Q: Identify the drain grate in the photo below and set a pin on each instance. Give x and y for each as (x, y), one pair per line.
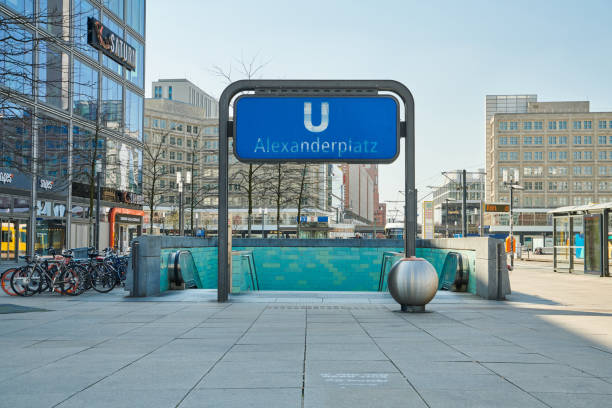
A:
(328, 307)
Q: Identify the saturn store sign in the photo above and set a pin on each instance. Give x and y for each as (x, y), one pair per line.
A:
(110, 44)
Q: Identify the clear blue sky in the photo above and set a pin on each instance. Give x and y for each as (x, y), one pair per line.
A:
(449, 53)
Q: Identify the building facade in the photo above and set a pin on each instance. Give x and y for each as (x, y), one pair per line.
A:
(181, 137)
(360, 192)
(183, 90)
(71, 107)
(562, 154)
(448, 202)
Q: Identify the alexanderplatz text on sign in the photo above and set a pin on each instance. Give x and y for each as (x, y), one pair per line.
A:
(310, 121)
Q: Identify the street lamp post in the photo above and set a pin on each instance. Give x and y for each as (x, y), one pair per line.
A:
(263, 212)
(179, 183)
(512, 182)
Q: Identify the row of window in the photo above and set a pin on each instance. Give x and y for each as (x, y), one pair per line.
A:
(177, 126)
(553, 201)
(554, 125)
(554, 155)
(577, 186)
(558, 171)
(554, 140)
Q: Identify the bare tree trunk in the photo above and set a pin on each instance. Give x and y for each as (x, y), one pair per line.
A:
(300, 200)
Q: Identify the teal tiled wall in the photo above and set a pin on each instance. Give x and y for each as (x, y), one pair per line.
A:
(308, 268)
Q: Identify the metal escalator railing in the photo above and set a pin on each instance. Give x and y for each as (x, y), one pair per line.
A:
(386, 259)
(250, 258)
(455, 273)
(182, 269)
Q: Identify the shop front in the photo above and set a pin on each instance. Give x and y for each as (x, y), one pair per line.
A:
(125, 225)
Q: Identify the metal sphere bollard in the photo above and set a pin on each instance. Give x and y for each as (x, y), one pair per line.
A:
(413, 282)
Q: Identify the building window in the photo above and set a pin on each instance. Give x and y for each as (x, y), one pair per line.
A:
(602, 124)
(562, 140)
(188, 128)
(552, 125)
(602, 155)
(163, 123)
(136, 75)
(588, 155)
(577, 155)
(179, 156)
(513, 125)
(602, 170)
(514, 140)
(134, 110)
(587, 140)
(563, 155)
(538, 186)
(552, 140)
(172, 155)
(188, 142)
(112, 103)
(527, 156)
(179, 141)
(135, 15)
(503, 125)
(170, 92)
(527, 125)
(85, 94)
(577, 124)
(172, 140)
(552, 155)
(527, 140)
(537, 125)
(587, 124)
(538, 140)
(158, 92)
(563, 124)
(116, 6)
(503, 140)
(513, 156)
(577, 140)
(588, 170)
(601, 140)
(538, 155)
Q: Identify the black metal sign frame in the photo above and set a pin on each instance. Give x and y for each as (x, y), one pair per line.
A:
(335, 95)
(312, 88)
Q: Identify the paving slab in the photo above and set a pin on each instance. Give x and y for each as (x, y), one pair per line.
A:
(549, 344)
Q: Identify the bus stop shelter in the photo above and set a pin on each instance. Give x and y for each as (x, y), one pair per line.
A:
(582, 240)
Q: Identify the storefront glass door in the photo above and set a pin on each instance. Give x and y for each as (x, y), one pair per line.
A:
(562, 244)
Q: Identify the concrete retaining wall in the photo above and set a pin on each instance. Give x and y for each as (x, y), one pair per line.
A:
(487, 266)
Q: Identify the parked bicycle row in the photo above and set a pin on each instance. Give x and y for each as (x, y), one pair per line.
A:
(66, 275)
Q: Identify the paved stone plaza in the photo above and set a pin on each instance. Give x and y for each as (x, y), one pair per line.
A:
(550, 345)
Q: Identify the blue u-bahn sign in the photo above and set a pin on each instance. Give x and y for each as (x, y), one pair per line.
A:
(357, 129)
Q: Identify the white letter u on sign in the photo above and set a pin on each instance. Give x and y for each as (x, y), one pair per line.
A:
(308, 117)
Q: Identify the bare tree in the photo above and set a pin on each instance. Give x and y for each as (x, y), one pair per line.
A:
(199, 190)
(250, 176)
(152, 173)
(306, 189)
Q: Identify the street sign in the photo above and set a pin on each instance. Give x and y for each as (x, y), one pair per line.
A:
(500, 208)
(361, 129)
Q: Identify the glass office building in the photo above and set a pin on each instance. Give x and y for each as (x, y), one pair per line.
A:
(71, 106)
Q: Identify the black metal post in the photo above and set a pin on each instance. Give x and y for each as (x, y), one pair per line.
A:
(97, 229)
(288, 87)
(511, 224)
(464, 204)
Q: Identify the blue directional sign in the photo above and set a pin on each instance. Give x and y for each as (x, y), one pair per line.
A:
(308, 129)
